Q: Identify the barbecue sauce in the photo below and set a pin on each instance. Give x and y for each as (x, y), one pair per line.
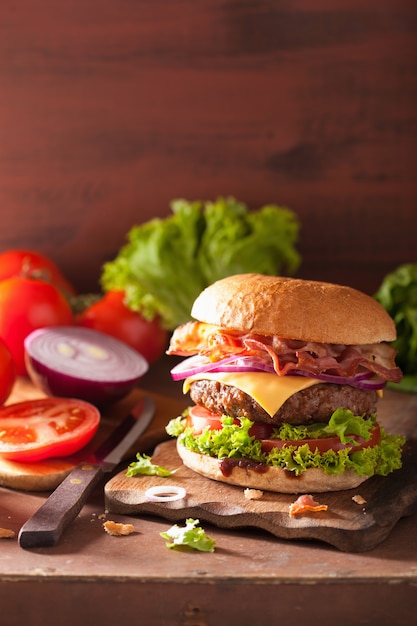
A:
(227, 465)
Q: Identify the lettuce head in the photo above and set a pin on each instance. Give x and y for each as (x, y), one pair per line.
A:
(167, 262)
(398, 295)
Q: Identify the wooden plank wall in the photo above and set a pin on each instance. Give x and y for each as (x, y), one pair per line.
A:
(111, 108)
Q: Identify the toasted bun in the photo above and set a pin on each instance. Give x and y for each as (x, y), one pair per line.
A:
(273, 479)
(294, 309)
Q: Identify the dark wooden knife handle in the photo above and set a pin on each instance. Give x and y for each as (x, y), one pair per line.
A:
(46, 525)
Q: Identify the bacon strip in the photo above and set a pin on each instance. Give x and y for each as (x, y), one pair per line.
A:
(286, 355)
(305, 503)
(190, 338)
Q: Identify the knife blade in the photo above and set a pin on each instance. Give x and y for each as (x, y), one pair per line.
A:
(45, 527)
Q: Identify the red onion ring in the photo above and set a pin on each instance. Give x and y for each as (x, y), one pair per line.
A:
(198, 365)
(363, 380)
(164, 493)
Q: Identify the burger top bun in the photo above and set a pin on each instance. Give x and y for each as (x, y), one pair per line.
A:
(294, 309)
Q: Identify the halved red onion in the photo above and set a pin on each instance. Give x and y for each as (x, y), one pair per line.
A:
(76, 362)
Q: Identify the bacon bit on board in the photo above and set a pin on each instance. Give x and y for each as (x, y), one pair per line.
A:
(305, 503)
(6, 533)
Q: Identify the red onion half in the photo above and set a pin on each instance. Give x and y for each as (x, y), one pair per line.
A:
(75, 362)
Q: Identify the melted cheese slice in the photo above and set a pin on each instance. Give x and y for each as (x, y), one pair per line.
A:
(268, 390)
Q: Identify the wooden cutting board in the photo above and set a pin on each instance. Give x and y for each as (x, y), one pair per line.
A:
(46, 475)
(346, 525)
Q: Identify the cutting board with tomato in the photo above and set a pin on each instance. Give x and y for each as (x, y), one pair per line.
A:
(47, 474)
(355, 520)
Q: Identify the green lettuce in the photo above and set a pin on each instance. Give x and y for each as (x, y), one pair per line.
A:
(398, 295)
(144, 466)
(167, 262)
(342, 424)
(234, 441)
(191, 535)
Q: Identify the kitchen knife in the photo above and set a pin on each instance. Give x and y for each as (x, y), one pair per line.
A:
(46, 525)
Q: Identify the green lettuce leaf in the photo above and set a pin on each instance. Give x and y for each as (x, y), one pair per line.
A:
(342, 424)
(398, 295)
(143, 465)
(234, 441)
(167, 262)
(191, 535)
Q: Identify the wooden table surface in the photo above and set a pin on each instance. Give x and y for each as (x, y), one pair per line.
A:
(251, 578)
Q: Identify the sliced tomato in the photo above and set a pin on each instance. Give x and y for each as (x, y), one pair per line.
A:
(48, 427)
(323, 444)
(199, 418)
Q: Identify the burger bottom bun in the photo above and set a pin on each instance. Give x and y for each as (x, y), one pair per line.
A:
(273, 479)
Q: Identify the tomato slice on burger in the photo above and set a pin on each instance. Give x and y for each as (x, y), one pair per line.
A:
(49, 427)
(323, 444)
(199, 419)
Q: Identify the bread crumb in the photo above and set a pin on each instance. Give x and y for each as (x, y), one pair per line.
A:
(358, 499)
(6, 533)
(253, 494)
(117, 529)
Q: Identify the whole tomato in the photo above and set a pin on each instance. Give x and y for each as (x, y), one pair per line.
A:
(31, 264)
(7, 372)
(111, 316)
(25, 305)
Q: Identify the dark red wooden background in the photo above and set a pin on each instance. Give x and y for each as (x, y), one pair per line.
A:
(111, 108)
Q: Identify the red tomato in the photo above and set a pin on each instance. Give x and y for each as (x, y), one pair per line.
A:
(30, 264)
(27, 304)
(111, 316)
(7, 372)
(326, 443)
(49, 427)
(200, 418)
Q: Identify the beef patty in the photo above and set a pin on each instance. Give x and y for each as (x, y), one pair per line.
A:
(314, 404)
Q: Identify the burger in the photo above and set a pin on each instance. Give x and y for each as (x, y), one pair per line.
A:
(285, 376)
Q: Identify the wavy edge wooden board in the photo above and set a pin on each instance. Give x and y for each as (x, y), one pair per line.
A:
(345, 525)
(48, 474)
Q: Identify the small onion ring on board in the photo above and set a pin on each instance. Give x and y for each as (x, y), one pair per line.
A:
(165, 493)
